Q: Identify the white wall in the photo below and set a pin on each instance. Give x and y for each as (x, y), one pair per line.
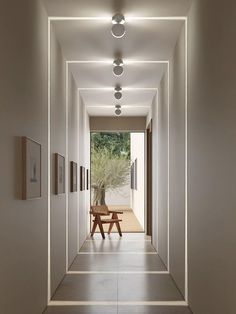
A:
(177, 163)
(23, 112)
(58, 145)
(73, 150)
(84, 160)
(120, 196)
(162, 158)
(137, 196)
(211, 156)
(153, 116)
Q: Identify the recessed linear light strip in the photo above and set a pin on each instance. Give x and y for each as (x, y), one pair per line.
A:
(112, 89)
(109, 18)
(117, 253)
(110, 62)
(107, 272)
(115, 303)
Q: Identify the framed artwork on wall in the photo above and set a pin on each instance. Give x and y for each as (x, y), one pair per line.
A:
(136, 174)
(132, 176)
(73, 176)
(59, 174)
(31, 160)
(87, 179)
(82, 178)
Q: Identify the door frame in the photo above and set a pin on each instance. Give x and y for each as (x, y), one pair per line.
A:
(149, 179)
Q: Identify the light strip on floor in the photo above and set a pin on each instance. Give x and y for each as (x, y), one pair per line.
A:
(117, 253)
(116, 240)
(75, 272)
(114, 303)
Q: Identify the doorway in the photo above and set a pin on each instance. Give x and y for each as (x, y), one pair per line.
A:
(118, 176)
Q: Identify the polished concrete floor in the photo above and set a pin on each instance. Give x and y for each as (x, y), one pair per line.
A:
(117, 275)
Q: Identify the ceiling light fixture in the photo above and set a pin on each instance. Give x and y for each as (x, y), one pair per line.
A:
(118, 28)
(118, 93)
(118, 67)
(118, 110)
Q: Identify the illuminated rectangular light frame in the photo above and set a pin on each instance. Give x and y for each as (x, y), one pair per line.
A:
(183, 18)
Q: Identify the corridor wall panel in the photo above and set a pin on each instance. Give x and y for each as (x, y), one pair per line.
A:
(162, 157)
(153, 115)
(84, 160)
(58, 145)
(212, 156)
(23, 112)
(73, 143)
(177, 163)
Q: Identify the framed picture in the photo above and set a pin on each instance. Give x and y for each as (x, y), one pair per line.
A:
(73, 176)
(87, 179)
(31, 159)
(82, 178)
(136, 174)
(131, 177)
(59, 174)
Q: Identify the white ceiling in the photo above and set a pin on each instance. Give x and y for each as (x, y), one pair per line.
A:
(97, 75)
(109, 7)
(91, 40)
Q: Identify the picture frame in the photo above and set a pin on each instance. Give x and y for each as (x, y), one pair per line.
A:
(31, 168)
(132, 176)
(82, 178)
(59, 174)
(136, 174)
(73, 176)
(87, 179)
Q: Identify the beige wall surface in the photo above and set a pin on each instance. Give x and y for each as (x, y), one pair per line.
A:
(212, 156)
(177, 163)
(23, 106)
(73, 151)
(117, 124)
(137, 195)
(154, 117)
(162, 157)
(84, 160)
(58, 145)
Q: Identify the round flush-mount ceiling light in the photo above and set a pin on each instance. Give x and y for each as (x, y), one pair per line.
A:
(118, 18)
(118, 93)
(118, 67)
(118, 28)
(118, 110)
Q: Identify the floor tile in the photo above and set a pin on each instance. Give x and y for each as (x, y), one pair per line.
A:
(142, 262)
(87, 287)
(117, 262)
(95, 262)
(117, 246)
(140, 309)
(84, 309)
(126, 236)
(147, 287)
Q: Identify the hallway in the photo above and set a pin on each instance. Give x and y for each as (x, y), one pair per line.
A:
(163, 68)
(120, 275)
